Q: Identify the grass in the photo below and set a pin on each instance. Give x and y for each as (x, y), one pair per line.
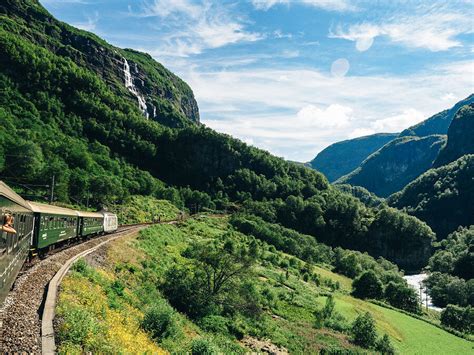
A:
(142, 209)
(114, 296)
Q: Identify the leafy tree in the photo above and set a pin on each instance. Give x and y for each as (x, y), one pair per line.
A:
(458, 318)
(214, 280)
(384, 345)
(363, 330)
(367, 285)
(402, 296)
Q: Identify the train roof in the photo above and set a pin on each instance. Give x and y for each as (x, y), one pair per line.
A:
(12, 195)
(90, 214)
(50, 209)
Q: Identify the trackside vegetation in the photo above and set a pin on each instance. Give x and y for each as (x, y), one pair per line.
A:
(201, 286)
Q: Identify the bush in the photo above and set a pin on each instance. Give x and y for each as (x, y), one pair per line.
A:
(384, 346)
(367, 285)
(215, 324)
(458, 318)
(203, 346)
(159, 321)
(363, 331)
(403, 296)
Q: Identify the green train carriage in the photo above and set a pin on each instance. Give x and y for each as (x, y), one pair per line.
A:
(14, 247)
(90, 223)
(53, 225)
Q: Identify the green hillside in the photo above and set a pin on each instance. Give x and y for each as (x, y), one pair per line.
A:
(61, 118)
(342, 157)
(133, 298)
(395, 164)
(441, 197)
(460, 140)
(384, 164)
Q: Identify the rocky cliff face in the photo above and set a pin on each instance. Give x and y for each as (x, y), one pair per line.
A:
(165, 97)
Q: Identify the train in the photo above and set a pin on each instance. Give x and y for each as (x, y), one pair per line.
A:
(28, 229)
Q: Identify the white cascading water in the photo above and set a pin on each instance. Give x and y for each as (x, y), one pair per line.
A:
(132, 88)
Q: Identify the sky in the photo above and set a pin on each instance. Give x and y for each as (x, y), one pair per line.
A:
(294, 76)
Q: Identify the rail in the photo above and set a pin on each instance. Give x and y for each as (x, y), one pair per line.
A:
(48, 344)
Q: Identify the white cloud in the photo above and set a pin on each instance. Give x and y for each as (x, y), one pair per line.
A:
(313, 117)
(330, 5)
(434, 28)
(397, 123)
(297, 112)
(360, 132)
(195, 27)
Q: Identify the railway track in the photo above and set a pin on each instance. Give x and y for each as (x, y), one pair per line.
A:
(33, 297)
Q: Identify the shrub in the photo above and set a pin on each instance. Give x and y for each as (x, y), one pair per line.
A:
(458, 318)
(363, 331)
(384, 346)
(159, 321)
(203, 346)
(367, 285)
(403, 297)
(215, 324)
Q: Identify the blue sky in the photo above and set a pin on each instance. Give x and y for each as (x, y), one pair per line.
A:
(293, 77)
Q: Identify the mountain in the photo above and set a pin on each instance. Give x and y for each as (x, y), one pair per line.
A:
(342, 157)
(460, 137)
(437, 124)
(352, 156)
(396, 164)
(62, 119)
(442, 197)
(160, 94)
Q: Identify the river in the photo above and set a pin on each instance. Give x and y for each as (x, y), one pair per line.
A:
(415, 281)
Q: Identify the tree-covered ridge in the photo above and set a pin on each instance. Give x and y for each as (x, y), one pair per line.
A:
(62, 120)
(396, 164)
(441, 197)
(437, 124)
(342, 157)
(460, 140)
(169, 100)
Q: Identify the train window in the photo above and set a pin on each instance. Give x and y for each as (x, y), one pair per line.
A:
(3, 243)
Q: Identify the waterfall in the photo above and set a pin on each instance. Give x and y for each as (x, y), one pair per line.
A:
(133, 89)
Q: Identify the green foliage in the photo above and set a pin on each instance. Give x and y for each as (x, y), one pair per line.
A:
(456, 254)
(461, 319)
(460, 140)
(444, 289)
(159, 321)
(363, 331)
(214, 280)
(203, 346)
(402, 296)
(384, 345)
(367, 285)
(441, 197)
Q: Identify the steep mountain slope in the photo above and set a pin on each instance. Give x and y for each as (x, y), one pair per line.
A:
(442, 197)
(339, 156)
(437, 124)
(395, 164)
(460, 137)
(160, 94)
(342, 157)
(61, 119)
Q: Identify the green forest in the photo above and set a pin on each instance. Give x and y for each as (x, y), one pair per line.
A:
(275, 251)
